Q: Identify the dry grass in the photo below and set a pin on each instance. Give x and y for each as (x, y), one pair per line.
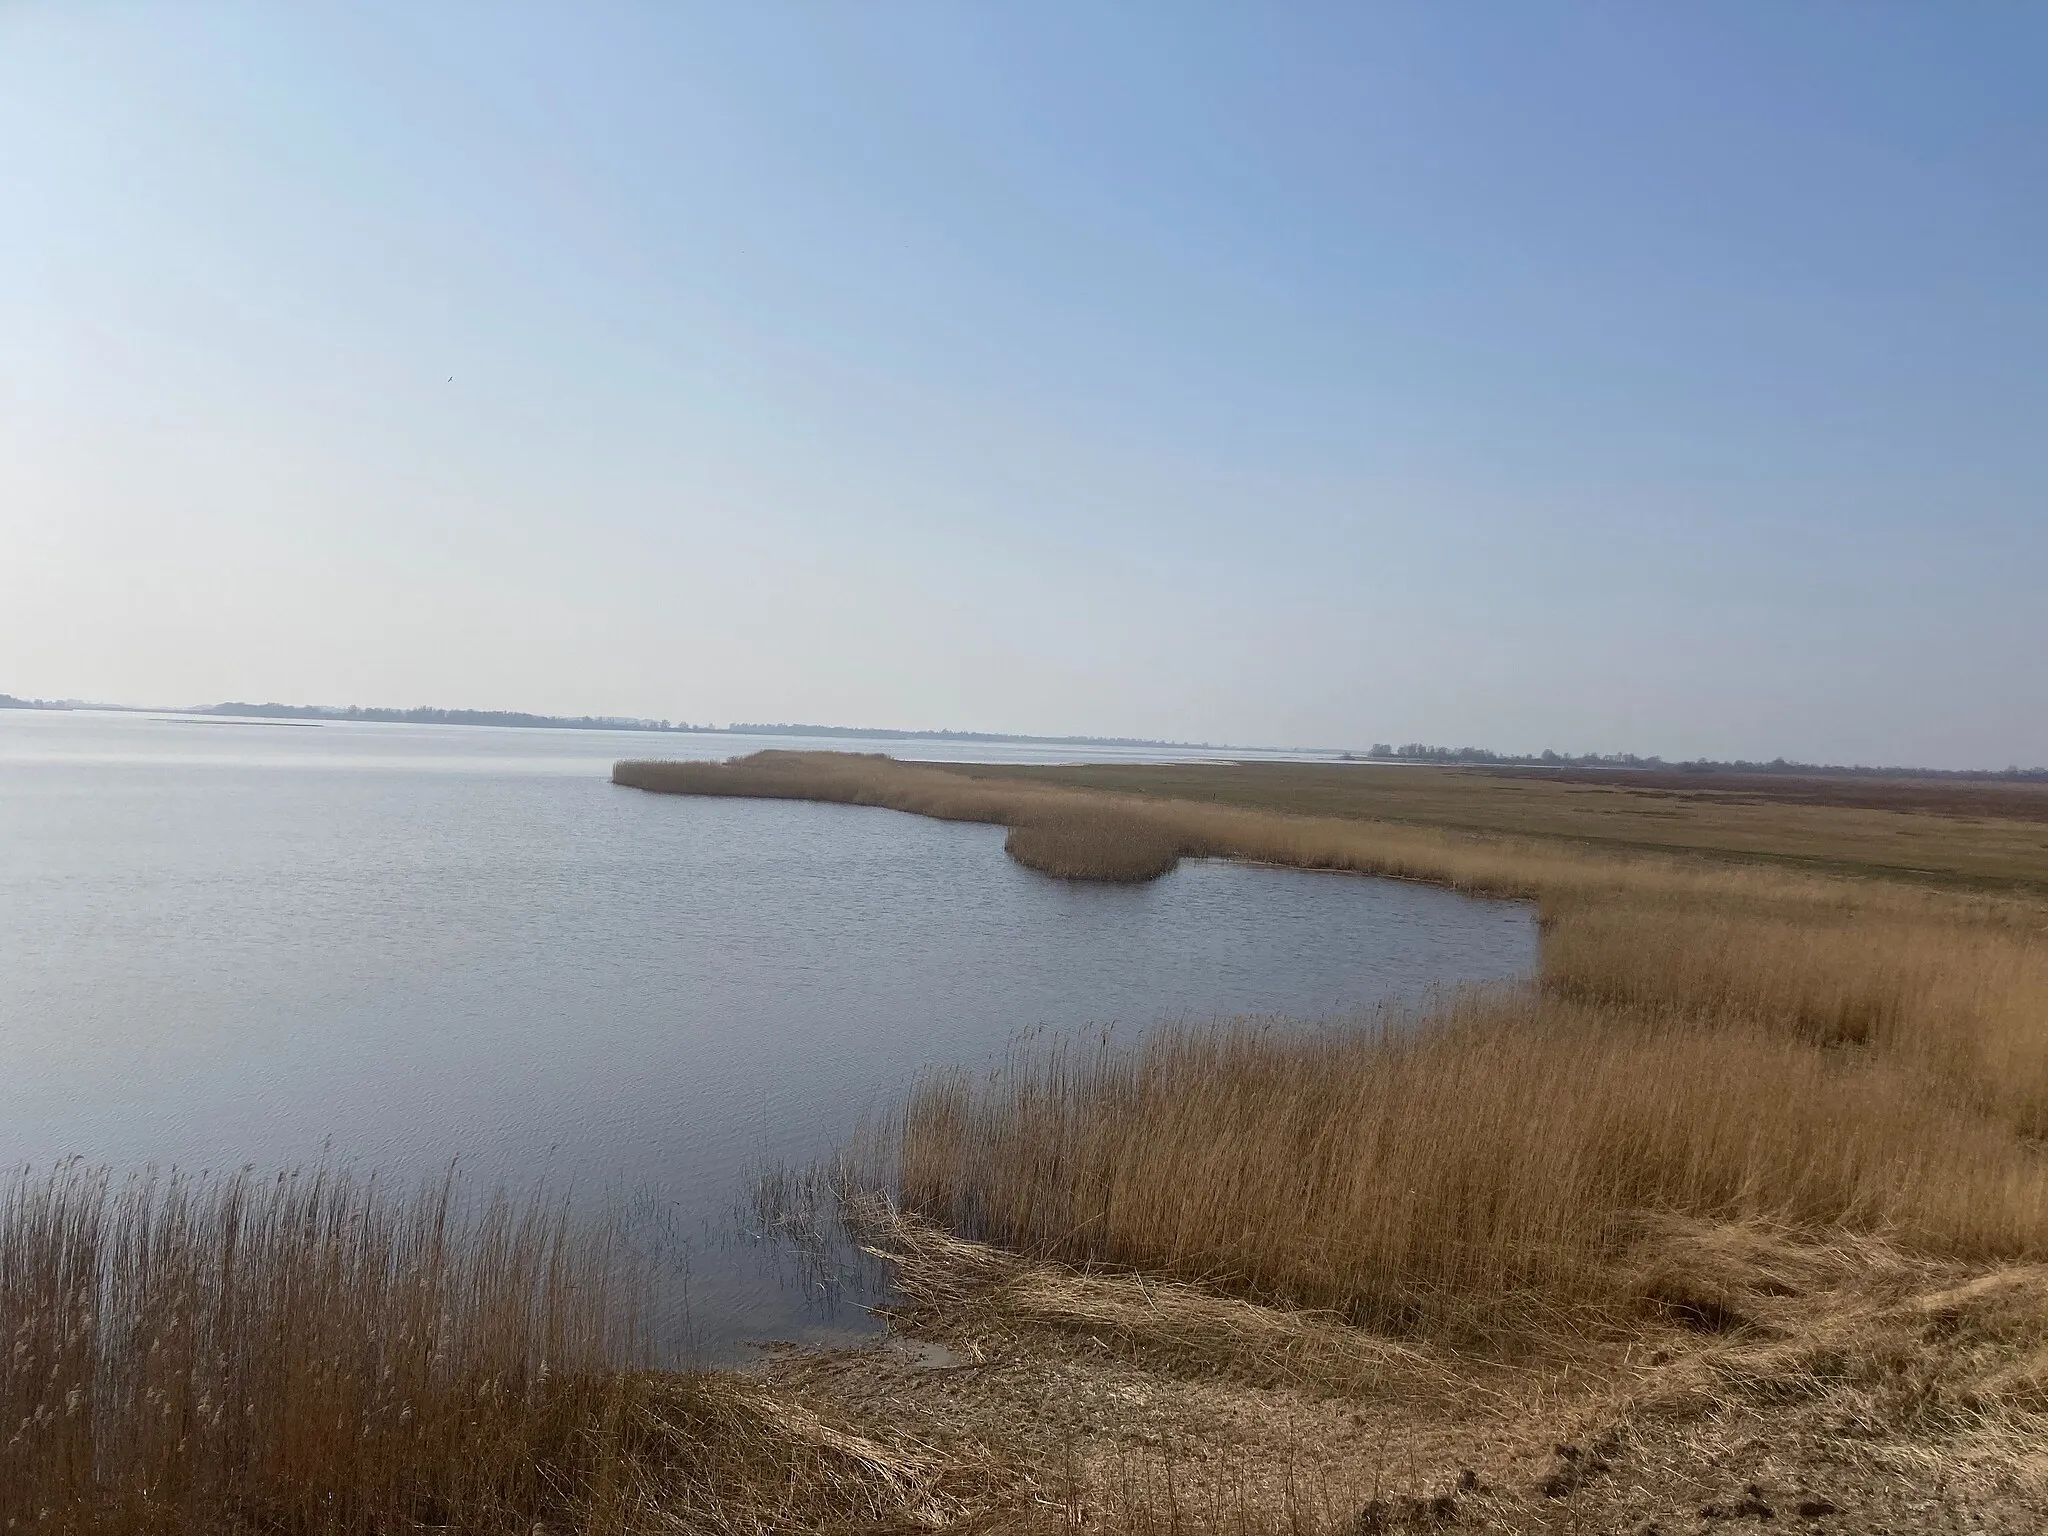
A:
(1953, 991)
(1965, 799)
(1089, 846)
(1487, 1174)
(960, 1288)
(1988, 836)
(314, 1352)
(309, 1350)
(1905, 1391)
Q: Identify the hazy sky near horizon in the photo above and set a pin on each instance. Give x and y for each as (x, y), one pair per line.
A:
(1602, 377)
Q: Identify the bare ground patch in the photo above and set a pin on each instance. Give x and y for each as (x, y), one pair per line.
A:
(1840, 1387)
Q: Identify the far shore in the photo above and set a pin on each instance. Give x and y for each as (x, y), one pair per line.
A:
(1737, 1210)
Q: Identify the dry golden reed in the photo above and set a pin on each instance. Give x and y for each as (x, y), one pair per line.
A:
(1954, 989)
(1083, 845)
(314, 1352)
(311, 1351)
(1470, 1172)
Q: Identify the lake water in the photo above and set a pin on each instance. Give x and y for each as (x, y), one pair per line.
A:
(226, 944)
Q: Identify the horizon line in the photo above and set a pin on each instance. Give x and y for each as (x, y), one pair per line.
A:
(1383, 753)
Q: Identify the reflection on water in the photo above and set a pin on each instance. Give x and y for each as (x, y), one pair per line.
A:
(421, 944)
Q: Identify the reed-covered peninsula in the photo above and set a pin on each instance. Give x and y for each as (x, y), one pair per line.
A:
(1714, 1039)
(1731, 1083)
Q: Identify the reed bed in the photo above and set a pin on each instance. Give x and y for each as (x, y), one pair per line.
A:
(318, 1352)
(1086, 845)
(1487, 1171)
(1954, 991)
(1477, 864)
(1727, 1042)
(311, 1351)
(1549, 869)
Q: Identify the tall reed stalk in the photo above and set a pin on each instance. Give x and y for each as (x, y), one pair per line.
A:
(313, 1351)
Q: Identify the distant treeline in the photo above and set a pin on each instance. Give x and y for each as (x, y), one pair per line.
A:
(428, 716)
(737, 728)
(1417, 752)
(1410, 752)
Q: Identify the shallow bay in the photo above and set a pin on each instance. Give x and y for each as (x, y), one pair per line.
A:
(404, 946)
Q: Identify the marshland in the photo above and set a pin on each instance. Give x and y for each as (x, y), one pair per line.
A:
(1768, 1118)
(378, 950)
(443, 1095)
(1665, 1179)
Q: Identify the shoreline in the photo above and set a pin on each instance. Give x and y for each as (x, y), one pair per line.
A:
(1700, 1371)
(1737, 1209)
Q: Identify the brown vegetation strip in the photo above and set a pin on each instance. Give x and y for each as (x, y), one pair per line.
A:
(2007, 851)
(2000, 800)
(1484, 1176)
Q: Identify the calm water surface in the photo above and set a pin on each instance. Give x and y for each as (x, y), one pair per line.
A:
(232, 944)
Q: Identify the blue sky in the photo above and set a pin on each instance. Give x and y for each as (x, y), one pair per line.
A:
(1667, 379)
